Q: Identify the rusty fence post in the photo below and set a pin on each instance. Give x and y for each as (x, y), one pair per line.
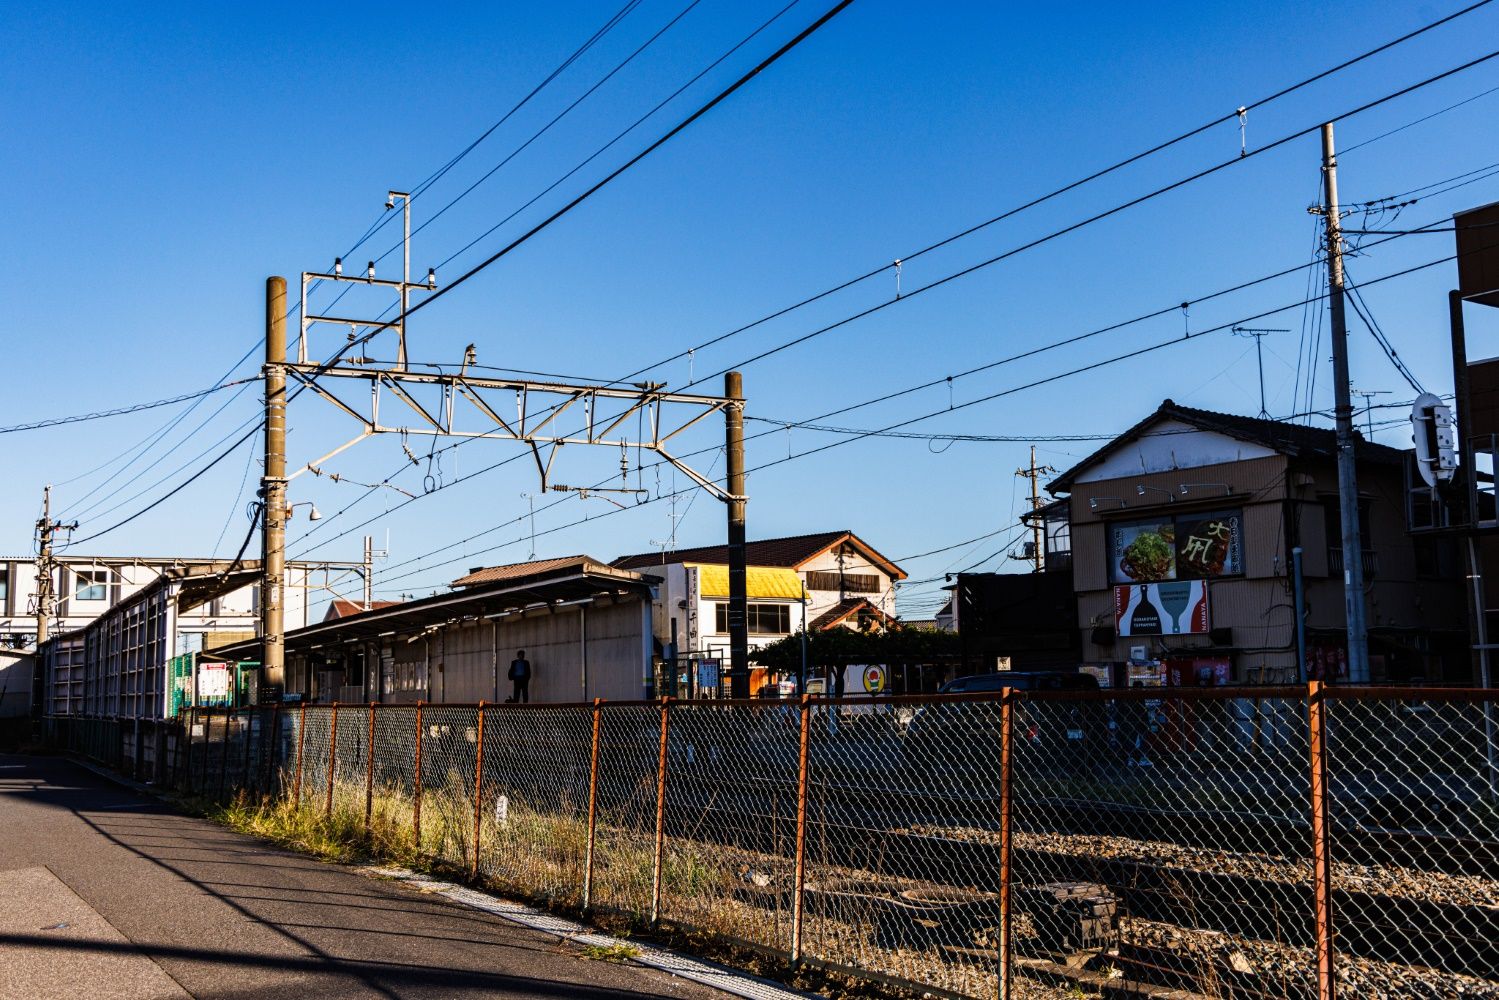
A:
(1006, 803)
(798, 911)
(296, 788)
(478, 788)
(332, 758)
(660, 814)
(1316, 708)
(593, 807)
(369, 772)
(416, 783)
(224, 757)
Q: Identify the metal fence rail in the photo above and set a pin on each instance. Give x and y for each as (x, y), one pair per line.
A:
(1296, 842)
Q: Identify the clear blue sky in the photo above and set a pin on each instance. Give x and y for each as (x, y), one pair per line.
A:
(160, 162)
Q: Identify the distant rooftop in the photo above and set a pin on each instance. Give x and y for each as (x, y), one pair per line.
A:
(791, 551)
(1278, 435)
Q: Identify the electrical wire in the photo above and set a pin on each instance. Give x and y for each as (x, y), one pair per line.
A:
(1064, 189)
(122, 410)
(1010, 391)
(598, 185)
(1356, 300)
(1285, 139)
(543, 131)
(1098, 217)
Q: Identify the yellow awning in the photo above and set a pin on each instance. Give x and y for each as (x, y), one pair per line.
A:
(760, 581)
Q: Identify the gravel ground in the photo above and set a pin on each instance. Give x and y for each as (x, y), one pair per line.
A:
(1435, 887)
(1286, 971)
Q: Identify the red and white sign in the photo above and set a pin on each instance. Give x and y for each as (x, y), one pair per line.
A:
(1173, 607)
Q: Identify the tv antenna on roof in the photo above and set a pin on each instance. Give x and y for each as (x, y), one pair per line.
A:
(1258, 333)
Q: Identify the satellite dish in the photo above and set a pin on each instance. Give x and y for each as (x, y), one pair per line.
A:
(1436, 457)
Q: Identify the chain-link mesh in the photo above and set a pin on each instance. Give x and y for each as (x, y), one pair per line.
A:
(314, 740)
(533, 830)
(728, 859)
(449, 739)
(624, 838)
(901, 799)
(1413, 788)
(1158, 840)
(1169, 838)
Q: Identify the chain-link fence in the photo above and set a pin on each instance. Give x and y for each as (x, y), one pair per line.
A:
(1228, 843)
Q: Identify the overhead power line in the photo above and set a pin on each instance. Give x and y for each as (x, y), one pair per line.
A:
(844, 441)
(592, 190)
(1099, 217)
(1064, 189)
(79, 418)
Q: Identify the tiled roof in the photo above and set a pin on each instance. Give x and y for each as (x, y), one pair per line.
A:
(340, 608)
(519, 571)
(843, 610)
(1279, 435)
(791, 551)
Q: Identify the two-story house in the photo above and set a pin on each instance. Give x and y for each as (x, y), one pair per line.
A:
(1182, 531)
(832, 579)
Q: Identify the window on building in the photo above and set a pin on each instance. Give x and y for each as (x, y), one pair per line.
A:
(764, 619)
(90, 585)
(848, 583)
(4, 585)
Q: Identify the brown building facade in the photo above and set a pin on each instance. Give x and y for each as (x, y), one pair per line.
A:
(1182, 533)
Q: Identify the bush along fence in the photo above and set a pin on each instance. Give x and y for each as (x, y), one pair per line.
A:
(1303, 842)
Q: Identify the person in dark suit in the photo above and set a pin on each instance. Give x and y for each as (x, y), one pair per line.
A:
(520, 677)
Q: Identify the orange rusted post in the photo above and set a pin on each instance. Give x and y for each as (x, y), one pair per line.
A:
(369, 772)
(296, 794)
(1006, 772)
(1321, 860)
(660, 814)
(593, 806)
(478, 789)
(332, 758)
(797, 911)
(416, 782)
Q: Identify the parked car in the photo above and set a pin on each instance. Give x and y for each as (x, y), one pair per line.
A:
(961, 739)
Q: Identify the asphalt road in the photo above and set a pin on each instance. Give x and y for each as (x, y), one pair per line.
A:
(105, 893)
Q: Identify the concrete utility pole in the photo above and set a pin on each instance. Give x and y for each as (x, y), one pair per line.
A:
(733, 390)
(46, 528)
(1353, 555)
(273, 494)
(1038, 531)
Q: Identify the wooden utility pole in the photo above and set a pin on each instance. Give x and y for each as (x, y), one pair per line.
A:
(733, 390)
(1353, 555)
(273, 495)
(1038, 531)
(46, 596)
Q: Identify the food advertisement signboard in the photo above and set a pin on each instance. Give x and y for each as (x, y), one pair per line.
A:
(1143, 551)
(1194, 546)
(1176, 607)
(1210, 544)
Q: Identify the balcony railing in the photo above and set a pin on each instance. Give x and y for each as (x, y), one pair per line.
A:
(1335, 562)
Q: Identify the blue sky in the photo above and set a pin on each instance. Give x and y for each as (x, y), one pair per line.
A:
(160, 163)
